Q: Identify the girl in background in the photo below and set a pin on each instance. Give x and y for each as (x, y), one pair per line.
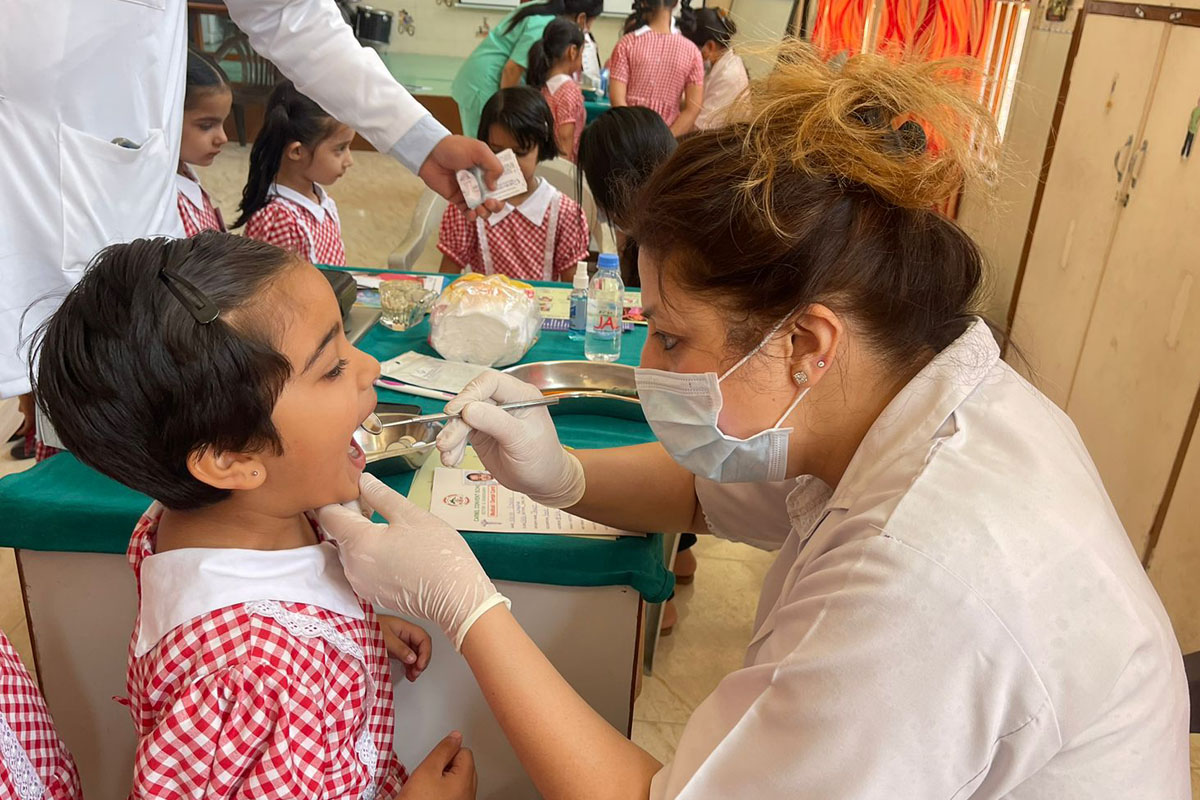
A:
(538, 235)
(654, 68)
(552, 63)
(617, 153)
(206, 103)
(501, 59)
(298, 152)
(711, 30)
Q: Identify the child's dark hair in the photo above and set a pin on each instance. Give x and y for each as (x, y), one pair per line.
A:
(618, 152)
(558, 36)
(524, 113)
(643, 10)
(557, 8)
(289, 117)
(135, 385)
(706, 24)
(203, 76)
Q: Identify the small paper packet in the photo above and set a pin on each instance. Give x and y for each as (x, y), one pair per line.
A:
(510, 183)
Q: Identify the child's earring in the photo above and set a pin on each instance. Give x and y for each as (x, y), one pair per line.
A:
(800, 377)
(255, 473)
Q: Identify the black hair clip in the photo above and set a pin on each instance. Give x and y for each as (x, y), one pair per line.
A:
(195, 301)
(907, 139)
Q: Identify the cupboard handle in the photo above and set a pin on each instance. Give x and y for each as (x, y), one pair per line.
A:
(1182, 299)
(1117, 158)
(1134, 164)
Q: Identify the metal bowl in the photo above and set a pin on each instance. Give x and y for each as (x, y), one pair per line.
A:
(585, 387)
(389, 452)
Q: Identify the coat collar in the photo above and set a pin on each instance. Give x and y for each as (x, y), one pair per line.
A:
(919, 412)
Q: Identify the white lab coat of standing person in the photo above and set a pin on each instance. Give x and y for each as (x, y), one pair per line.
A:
(78, 76)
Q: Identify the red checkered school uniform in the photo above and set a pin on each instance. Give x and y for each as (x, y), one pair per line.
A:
(566, 103)
(541, 239)
(34, 763)
(196, 210)
(656, 68)
(294, 222)
(256, 674)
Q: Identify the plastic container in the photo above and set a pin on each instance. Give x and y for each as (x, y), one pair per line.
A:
(578, 324)
(605, 306)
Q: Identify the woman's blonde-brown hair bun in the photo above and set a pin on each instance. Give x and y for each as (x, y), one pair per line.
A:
(909, 130)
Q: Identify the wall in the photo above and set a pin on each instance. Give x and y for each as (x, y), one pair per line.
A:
(452, 31)
(998, 216)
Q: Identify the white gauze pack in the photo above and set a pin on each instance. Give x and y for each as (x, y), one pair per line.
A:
(487, 320)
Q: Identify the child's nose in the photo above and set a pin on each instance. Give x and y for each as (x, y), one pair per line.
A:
(221, 138)
(369, 369)
(349, 160)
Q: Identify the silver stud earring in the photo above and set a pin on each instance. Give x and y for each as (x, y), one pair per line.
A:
(800, 377)
(821, 363)
(255, 473)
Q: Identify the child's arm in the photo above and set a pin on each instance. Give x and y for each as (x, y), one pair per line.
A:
(450, 266)
(564, 137)
(616, 92)
(456, 241)
(510, 76)
(693, 98)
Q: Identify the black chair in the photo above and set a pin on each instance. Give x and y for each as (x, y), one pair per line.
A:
(258, 77)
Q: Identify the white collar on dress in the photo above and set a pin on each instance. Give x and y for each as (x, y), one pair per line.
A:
(317, 210)
(646, 28)
(180, 585)
(533, 208)
(556, 81)
(190, 186)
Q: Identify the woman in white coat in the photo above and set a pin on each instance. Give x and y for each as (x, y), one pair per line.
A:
(955, 611)
(91, 108)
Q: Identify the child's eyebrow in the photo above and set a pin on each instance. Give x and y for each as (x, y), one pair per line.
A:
(329, 336)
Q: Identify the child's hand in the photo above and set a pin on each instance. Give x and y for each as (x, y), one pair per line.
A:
(447, 773)
(408, 643)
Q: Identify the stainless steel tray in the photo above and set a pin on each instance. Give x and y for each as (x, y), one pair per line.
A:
(585, 387)
(388, 453)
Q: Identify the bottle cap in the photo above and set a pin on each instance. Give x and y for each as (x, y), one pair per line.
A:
(581, 276)
(608, 261)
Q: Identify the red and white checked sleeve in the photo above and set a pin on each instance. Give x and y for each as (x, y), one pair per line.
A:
(571, 241)
(273, 224)
(695, 76)
(618, 65)
(240, 732)
(458, 239)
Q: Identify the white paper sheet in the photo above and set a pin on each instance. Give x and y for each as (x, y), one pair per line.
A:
(471, 500)
(430, 372)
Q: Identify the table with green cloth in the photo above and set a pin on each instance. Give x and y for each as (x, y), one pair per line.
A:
(62, 505)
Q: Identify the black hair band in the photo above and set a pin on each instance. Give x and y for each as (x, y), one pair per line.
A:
(195, 301)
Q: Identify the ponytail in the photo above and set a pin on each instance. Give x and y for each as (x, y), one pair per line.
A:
(643, 10)
(289, 117)
(202, 76)
(545, 53)
(556, 8)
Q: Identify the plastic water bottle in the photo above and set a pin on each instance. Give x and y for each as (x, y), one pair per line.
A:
(577, 328)
(605, 306)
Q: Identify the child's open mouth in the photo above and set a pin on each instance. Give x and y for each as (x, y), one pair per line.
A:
(356, 455)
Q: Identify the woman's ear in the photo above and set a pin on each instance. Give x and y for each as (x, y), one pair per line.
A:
(816, 334)
(240, 471)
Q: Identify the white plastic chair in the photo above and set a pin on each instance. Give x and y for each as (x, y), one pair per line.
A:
(419, 250)
(561, 174)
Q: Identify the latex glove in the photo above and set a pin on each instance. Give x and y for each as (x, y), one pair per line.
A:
(414, 564)
(520, 448)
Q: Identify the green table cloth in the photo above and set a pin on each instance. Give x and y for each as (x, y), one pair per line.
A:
(62, 505)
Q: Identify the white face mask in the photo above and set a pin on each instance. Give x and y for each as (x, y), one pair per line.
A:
(682, 409)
